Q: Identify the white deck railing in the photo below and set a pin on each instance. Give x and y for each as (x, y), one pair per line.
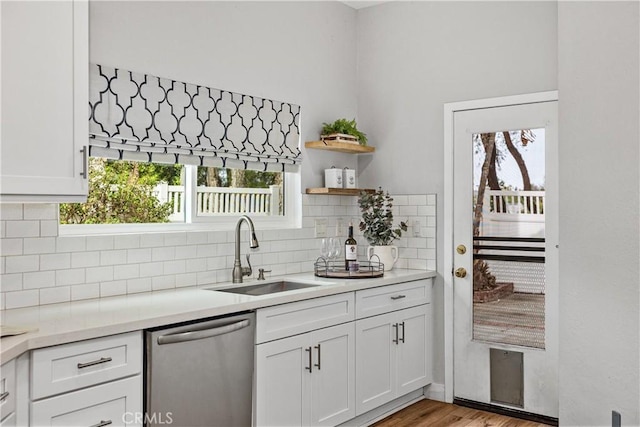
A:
(514, 202)
(221, 200)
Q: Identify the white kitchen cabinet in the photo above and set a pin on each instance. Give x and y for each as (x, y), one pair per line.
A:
(393, 356)
(96, 382)
(306, 379)
(43, 150)
(8, 391)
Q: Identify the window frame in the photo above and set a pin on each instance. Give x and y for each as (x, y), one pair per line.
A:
(291, 219)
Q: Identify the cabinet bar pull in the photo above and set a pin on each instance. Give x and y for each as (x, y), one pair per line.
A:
(402, 339)
(102, 423)
(395, 326)
(318, 364)
(84, 152)
(4, 396)
(310, 367)
(398, 297)
(95, 362)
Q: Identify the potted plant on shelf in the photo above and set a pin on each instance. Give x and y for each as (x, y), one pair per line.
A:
(377, 226)
(343, 130)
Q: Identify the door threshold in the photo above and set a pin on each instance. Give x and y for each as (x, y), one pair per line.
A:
(510, 412)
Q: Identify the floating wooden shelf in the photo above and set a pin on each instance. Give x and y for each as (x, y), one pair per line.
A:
(338, 191)
(343, 147)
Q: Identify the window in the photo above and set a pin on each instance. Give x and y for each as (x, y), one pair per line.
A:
(127, 196)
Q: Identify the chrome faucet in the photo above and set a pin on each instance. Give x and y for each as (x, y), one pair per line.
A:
(238, 270)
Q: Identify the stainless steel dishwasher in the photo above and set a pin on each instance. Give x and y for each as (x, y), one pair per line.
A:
(200, 374)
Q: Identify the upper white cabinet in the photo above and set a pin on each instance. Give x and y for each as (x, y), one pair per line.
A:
(44, 137)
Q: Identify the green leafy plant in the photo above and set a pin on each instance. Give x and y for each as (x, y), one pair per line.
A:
(377, 218)
(348, 127)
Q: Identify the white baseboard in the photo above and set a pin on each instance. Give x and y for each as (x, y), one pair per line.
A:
(435, 391)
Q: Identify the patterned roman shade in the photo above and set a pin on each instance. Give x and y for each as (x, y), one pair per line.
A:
(145, 118)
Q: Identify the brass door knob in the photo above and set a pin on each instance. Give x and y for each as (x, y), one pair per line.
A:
(460, 272)
(461, 249)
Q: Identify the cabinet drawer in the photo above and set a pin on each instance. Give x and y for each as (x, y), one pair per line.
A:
(85, 363)
(298, 317)
(7, 388)
(371, 302)
(116, 403)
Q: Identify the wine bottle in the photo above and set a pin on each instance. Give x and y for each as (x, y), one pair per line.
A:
(350, 249)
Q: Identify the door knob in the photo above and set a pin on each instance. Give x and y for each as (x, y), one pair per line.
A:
(460, 272)
(461, 249)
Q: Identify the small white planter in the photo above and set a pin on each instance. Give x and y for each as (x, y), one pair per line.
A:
(388, 255)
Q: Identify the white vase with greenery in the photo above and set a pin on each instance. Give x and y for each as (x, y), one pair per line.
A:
(377, 226)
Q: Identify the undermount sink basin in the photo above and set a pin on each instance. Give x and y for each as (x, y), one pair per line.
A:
(266, 288)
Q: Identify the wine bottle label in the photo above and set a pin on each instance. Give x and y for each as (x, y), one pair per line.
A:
(351, 252)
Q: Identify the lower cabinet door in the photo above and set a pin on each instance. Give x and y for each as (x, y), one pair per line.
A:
(375, 361)
(117, 403)
(281, 370)
(333, 375)
(414, 349)
(307, 379)
(9, 421)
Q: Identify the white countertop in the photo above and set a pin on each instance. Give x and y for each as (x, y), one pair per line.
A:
(80, 320)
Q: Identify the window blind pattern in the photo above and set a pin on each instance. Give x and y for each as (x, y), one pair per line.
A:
(140, 117)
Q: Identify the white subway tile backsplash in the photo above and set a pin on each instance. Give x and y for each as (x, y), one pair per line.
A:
(9, 211)
(55, 295)
(49, 228)
(11, 246)
(81, 267)
(55, 261)
(99, 274)
(163, 254)
(39, 279)
(167, 281)
(11, 282)
(39, 245)
(22, 299)
(100, 243)
(139, 285)
(40, 211)
(175, 267)
(126, 241)
(116, 287)
(22, 228)
(74, 276)
(87, 291)
(151, 240)
(186, 279)
(22, 263)
(151, 269)
(113, 257)
(85, 259)
(175, 239)
(135, 256)
(71, 244)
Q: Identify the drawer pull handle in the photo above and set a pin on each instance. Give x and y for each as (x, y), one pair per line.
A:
(317, 365)
(85, 153)
(95, 362)
(4, 396)
(398, 297)
(103, 423)
(310, 367)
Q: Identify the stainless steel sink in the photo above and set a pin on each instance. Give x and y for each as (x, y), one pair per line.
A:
(266, 288)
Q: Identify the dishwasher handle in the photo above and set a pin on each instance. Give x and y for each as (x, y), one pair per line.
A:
(202, 334)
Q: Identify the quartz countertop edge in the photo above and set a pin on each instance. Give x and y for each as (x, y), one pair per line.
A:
(81, 320)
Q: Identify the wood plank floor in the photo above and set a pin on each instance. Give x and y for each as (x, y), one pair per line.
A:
(430, 413)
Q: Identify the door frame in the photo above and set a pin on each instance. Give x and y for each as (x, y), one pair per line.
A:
(449, 111)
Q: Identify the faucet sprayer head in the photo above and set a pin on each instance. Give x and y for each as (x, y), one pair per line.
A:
(254, 241)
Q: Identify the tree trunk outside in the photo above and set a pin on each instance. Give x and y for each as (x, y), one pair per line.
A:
(489, 143)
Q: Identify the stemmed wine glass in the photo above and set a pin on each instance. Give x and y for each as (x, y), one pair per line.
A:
(336, 249)
(325, 249)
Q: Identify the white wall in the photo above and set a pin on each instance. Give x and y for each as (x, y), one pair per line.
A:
(599, 187)
(299, 52)
(413, 57)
